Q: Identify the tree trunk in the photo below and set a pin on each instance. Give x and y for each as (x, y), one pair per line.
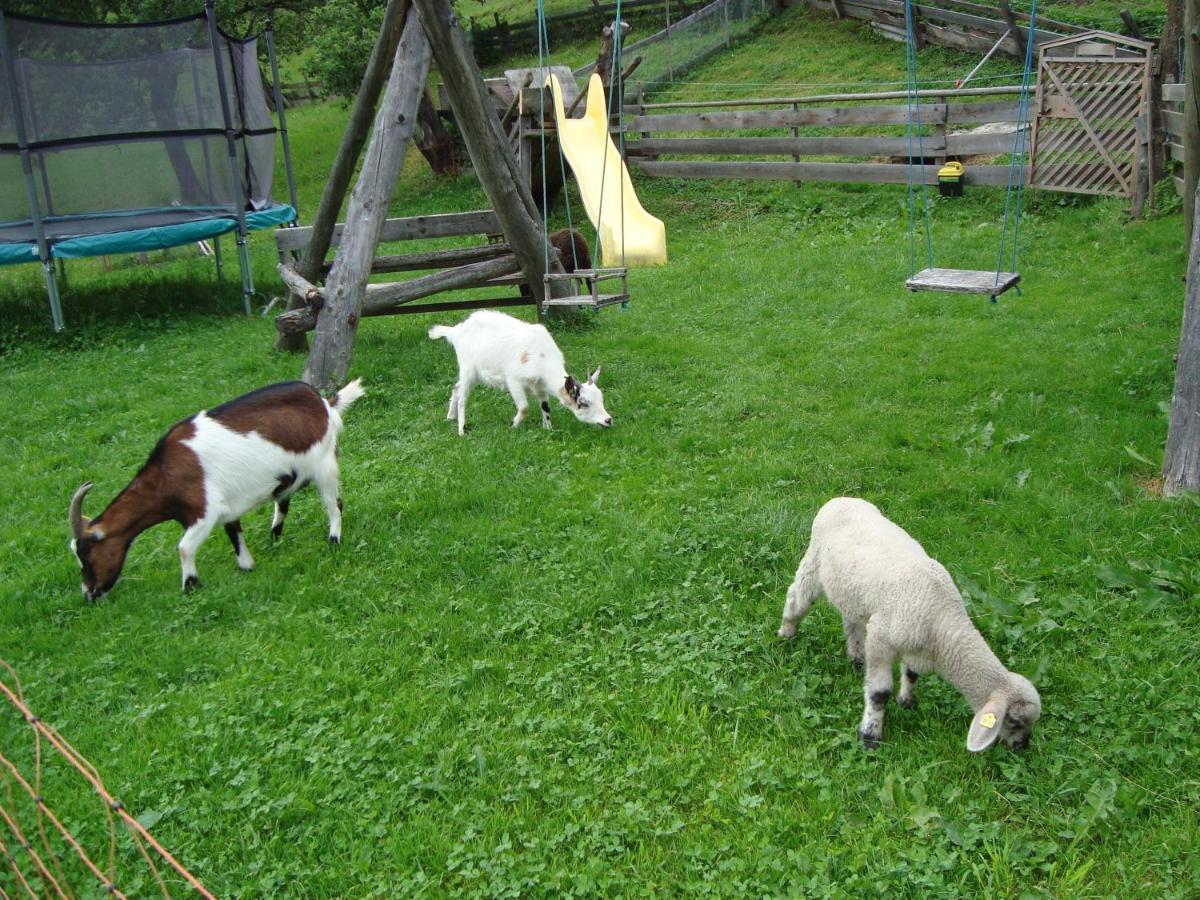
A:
(353, 139)
(346, 286)
(488, 146)
(433, 140)
(1191, 111)
(1181, 462)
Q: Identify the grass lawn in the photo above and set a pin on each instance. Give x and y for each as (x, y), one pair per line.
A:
(544, 663)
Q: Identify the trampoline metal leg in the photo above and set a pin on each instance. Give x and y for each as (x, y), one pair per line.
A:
(217, 256)
(247, 275)
(56, 316)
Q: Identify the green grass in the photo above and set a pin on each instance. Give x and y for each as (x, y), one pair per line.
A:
(543, 662)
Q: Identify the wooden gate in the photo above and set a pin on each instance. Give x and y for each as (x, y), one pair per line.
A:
(1091, 130)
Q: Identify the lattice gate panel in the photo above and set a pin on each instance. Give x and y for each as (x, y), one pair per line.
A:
(1086, 136)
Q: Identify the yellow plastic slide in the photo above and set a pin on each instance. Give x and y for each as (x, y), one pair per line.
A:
(629, 236)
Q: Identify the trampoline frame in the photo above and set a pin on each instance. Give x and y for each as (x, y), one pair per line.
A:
(158, 236)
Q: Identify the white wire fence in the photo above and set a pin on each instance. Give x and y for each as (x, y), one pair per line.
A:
(668, 54)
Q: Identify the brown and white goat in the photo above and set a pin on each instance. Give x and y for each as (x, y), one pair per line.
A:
(212, 468)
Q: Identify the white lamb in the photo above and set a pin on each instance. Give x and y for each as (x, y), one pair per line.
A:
(503, 352)
(897, 601)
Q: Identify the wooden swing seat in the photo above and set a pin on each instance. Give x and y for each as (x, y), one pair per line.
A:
(963, 281)
(586, 285)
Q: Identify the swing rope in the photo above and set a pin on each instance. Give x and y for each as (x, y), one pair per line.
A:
(544, 64)
(614, 70)
(1016, 166)
(915, 129)
(1016, 171)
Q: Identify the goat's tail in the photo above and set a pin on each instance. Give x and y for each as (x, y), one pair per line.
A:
(441, 331)
(344, 399)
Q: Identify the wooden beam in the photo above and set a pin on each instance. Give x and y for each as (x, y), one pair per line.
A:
(301, 287)
(393, 293)
(869, 173)
(345, 290)
(895, 114)
(380, 298)
(437, 259)
(782, 146)
(833, 98)
(353, 138)
(408, 228)
(497, 168)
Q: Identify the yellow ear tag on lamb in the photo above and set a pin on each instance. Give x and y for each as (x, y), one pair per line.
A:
(988, 720)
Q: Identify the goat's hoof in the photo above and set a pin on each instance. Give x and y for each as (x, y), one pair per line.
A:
(906, 702)
(871, 739)
(276, 531)
(856, 663)
(190, 584)
(335, 541)
(786, 633)
(246, 567)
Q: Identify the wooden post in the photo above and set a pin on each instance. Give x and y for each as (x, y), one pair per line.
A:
(1181, 461)
(490, 152)
(1013, 28)
(329, 360)
(1191, 111)
(344, 163)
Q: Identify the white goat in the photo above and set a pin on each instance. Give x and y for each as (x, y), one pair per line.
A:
(213, 467)
(897, 601)
(503, 352)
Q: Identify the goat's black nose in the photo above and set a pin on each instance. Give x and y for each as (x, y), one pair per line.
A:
(608, 422)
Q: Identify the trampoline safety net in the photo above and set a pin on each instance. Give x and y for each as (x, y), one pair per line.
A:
(125, 126)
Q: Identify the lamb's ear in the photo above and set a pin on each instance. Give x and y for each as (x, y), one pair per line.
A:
(985, 727)
(592, 378)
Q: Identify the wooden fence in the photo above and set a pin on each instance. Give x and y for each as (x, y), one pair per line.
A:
(973, 27)
(950, 119)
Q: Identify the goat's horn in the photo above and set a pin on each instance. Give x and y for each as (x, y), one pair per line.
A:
(75, 516)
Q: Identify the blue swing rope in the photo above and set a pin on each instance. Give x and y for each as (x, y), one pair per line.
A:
(544, 63)
(614, 66)
(1016, 168)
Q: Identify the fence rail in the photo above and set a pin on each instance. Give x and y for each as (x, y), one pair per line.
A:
(945, 117)
(972, 27)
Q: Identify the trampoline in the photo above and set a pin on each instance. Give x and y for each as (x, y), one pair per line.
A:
(128, 138)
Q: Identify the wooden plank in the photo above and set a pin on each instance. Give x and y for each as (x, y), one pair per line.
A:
(408, 228)
(782, 146)
(382, 297)
(963, 281)
(894, 114)
(453, 305)
(871, 173)
(1174, 93)
(1175, 151)
(436, 259)
(832, 98)
(979, 144)
(1173, 121)
(981, 113)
